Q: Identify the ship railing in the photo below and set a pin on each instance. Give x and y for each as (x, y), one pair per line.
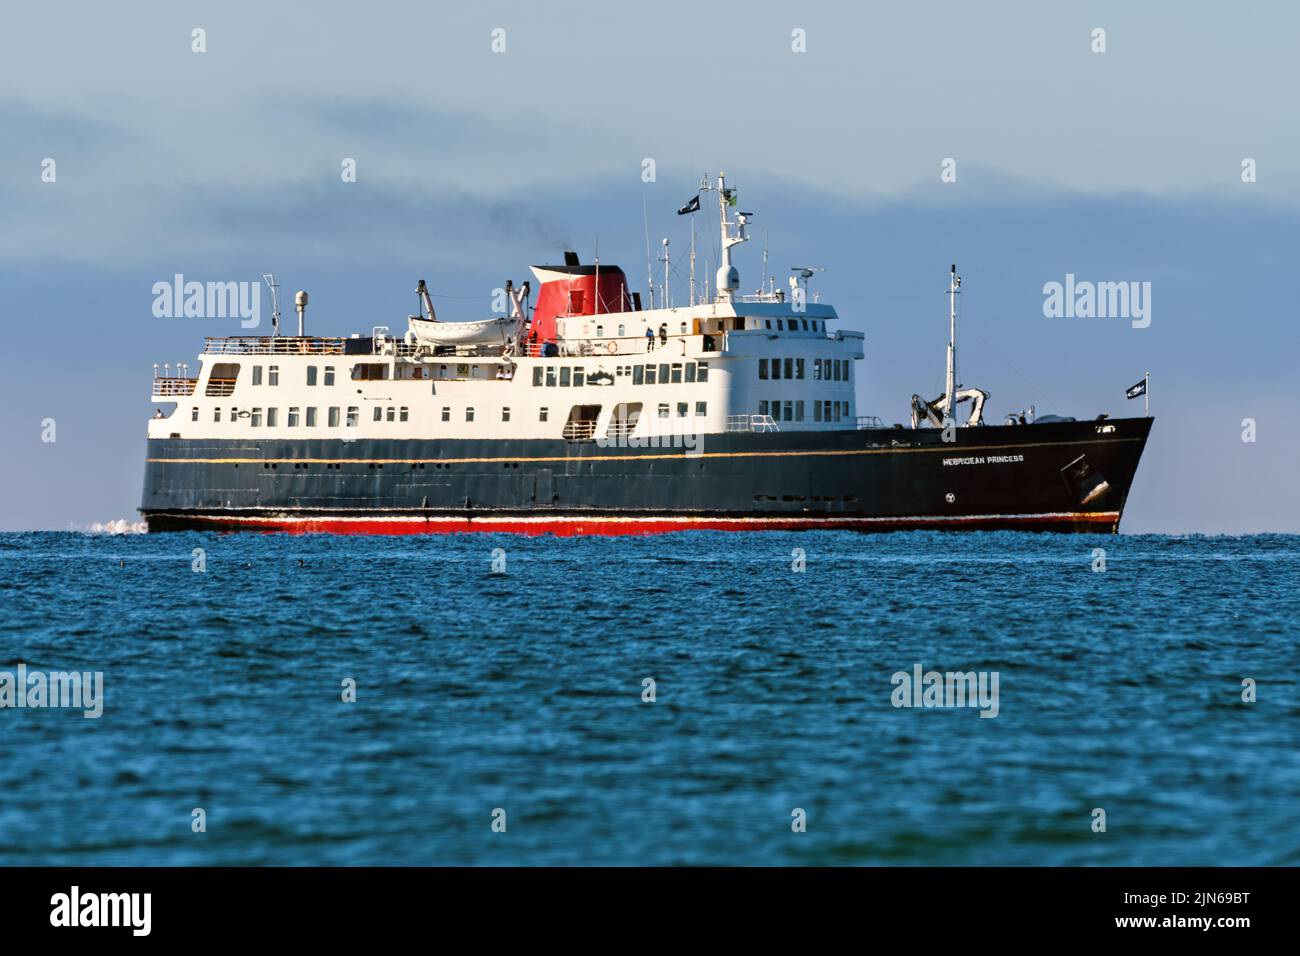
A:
(752, 423)
(220, 387)
(273, 345)
(584, 430)
(869, 421)
(164, 386)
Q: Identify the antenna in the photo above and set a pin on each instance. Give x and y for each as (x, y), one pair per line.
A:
(269, 279)
(649, 270)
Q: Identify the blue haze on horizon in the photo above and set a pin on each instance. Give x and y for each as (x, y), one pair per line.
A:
(224, 165)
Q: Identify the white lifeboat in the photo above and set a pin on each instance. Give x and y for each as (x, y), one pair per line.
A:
(497, 330)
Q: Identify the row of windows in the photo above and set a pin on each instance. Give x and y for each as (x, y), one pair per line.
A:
(793, 411)
(683, 409)
(271, 416)
(273, 374)
(675, 373)
(794, 325)
(830, 370)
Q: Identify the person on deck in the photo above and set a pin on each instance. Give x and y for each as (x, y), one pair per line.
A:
(663, 334)
(649, 339)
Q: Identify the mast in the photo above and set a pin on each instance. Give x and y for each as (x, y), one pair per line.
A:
(732, 234)
(692, 260)
(950, 389)
(665, 302)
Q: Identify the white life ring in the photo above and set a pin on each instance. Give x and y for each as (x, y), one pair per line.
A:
(611, 347)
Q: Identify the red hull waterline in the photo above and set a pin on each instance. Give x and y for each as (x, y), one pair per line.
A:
(1105, 522)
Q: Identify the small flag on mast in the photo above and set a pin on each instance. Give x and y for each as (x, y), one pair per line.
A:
(1138, 390)
(692, 206)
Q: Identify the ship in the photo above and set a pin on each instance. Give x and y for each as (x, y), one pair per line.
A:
(591, 412)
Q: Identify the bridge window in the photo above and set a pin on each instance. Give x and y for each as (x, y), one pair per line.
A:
(505, 414)
(762, 368)
(649, 375)
(638, 375)
(762, 408)
(682, 409)
(663, 374)
(776, 368)
(273, 375)
(537, 375)
(353, 416)
(257, 375)
(703, 375)
(663, 409)
(690, 371)
(543, 414)
(391, 413)
(294, 415)
(379, 414)
(798, 411)
(403, 414)
(789, 368)
(469, 414)
(621, 331)
(257, 418)
(334, 417)
(564, 376)
(600, 331)
(311, 374)
(216, 414)
(329, 374)
(550, 376)
(780, 325)
(446, 414)
(578, 375)
(677, 373)
(311, 417)
(798, 368)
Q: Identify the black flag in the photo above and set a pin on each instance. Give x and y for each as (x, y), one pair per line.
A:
(1138, 390)
(692, 206)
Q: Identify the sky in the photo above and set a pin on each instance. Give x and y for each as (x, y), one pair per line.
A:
(835, 121)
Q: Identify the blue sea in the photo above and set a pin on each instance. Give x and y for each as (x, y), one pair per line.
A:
(502, 712)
